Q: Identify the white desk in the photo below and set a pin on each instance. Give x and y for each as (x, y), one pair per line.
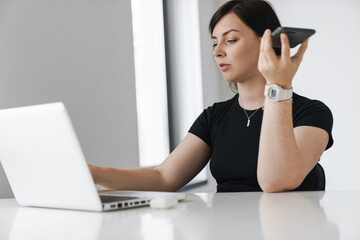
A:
(295, 215)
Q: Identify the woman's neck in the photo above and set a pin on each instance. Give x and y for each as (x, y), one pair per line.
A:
(251, 93)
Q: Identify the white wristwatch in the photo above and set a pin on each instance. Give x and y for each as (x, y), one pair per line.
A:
(276, 93)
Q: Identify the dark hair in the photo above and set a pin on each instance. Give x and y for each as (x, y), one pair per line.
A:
(256, 14)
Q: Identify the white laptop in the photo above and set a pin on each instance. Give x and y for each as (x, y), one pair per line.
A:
(45, 166)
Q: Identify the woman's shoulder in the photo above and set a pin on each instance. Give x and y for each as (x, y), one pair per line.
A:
(311, 112)
(302, 103)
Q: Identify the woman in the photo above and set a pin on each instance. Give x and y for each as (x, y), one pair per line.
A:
(255, 142)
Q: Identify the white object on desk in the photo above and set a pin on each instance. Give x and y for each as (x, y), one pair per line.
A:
(163, 203)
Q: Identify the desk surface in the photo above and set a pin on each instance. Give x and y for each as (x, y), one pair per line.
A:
(293, 215)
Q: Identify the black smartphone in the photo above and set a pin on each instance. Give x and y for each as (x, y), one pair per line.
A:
(295, 35)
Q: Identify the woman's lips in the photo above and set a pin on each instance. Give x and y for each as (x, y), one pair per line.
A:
(223, 67)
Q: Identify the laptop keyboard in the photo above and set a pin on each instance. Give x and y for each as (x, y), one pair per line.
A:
(107, 199)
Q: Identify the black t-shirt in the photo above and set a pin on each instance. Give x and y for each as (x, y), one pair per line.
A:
(235, 147)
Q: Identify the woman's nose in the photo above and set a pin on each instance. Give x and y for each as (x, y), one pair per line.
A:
(218, 51)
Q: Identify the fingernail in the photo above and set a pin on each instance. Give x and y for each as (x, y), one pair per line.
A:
(267, 31)
(282, 36)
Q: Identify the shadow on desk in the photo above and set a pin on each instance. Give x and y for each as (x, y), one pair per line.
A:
(299, 215)
(221, 216)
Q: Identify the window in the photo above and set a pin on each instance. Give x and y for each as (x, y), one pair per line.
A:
(150, 74)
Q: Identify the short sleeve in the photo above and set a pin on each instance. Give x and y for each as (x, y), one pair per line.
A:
(201, 127)
(315, 114)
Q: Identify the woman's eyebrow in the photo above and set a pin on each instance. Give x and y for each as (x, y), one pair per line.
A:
(231, 30)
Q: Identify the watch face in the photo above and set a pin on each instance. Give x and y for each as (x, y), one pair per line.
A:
(273, 93)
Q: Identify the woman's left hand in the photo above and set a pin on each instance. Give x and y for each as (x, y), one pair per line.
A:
(279, 69)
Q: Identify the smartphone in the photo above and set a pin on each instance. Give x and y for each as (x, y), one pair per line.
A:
(295, 35)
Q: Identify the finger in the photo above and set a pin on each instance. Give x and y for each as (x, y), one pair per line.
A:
(267, 40)
(262, 42)
(300, 53)
(285, 46)
(262, 49)
(266, 46)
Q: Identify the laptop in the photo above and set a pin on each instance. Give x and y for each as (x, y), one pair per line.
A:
(45, 166)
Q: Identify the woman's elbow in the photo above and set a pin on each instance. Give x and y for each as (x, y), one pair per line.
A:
(278, 185)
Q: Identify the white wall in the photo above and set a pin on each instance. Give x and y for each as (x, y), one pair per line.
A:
(79, 52)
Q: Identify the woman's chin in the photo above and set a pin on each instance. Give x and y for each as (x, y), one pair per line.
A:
(230, 78)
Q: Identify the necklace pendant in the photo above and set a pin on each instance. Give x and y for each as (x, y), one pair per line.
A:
(248, 123)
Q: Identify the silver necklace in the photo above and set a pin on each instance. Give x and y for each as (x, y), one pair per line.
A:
(248, 121)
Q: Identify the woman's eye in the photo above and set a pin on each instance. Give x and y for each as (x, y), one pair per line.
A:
(214, 45)
(231, 41)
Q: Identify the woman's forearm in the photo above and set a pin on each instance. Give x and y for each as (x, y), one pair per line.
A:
(279, 161)
(142, 179)
(280, 164)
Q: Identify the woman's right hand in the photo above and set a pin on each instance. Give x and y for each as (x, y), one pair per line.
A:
(94, 172)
